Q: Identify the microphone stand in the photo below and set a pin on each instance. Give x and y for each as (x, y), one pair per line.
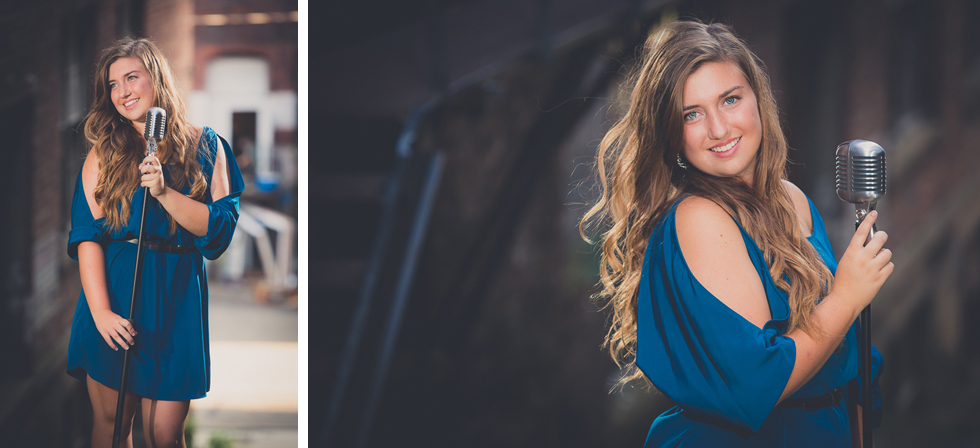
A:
(861, 180)
(864, 348)
(151, 147)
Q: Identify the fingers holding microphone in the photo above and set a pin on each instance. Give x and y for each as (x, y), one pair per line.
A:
(863, 268)
(151, 175)
(879, 258)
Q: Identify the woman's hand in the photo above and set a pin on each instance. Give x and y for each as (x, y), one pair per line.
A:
(860, 273)
(863, 268)
(152, 176)
(114, 329)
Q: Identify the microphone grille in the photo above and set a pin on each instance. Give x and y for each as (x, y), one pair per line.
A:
(155, 125)
(868, 173)
(843, 183)
(861, 171)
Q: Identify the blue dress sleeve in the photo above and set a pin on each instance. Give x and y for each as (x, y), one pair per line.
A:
(717, 366)
(83, 226)
(223, 213)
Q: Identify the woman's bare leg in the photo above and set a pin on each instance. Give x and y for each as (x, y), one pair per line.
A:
(104, 414)
(163, 422)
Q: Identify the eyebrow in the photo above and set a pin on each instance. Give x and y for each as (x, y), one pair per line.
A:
(726, 93)
(127, 74)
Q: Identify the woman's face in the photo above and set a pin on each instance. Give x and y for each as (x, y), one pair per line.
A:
(722, 127)
(130, 89)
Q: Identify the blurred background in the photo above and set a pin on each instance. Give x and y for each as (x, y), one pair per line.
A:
(238, 66)
(453, 143)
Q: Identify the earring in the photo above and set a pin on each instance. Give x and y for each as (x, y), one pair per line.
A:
(122, 119)
(680, 162)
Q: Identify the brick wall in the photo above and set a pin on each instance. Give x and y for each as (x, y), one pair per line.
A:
(170, 23)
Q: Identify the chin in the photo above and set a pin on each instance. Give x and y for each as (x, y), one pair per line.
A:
(130, 115)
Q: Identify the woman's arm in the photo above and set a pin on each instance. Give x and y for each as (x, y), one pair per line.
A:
(91, 268)
(860, 273)
(713, 248)
(190, 214)
(114, 328)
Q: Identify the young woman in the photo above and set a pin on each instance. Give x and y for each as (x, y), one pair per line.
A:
(195, 184)
(724, 289)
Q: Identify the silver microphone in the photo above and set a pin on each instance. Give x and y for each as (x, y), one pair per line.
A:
(861, 177)
(861, 181)
(154, 128)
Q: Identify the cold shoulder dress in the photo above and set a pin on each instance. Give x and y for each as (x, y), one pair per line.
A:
(724, 373)
(170, 359)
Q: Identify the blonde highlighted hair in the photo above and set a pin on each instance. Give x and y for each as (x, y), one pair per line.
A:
(120, 147)
(640, 179)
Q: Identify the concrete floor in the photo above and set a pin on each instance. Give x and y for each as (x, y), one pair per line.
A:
(254, 354)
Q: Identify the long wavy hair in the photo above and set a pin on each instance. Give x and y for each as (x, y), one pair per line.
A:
(640, 180)
(121, 148)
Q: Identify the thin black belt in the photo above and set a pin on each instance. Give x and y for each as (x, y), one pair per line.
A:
(810, 403)
(169, 248)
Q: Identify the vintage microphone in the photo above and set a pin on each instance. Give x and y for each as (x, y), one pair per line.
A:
(153, 130)
(861, 180)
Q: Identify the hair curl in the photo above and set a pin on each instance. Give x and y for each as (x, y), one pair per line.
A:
(120, 147)
(640, 179)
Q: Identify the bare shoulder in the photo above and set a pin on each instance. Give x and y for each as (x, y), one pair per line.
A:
(90, 179)
(697, 216)
(802, 206)
(706, 231)
(90, 170)
(796, 194)
(220, 176)
(715, 252)
(91, 161)
(196, 132)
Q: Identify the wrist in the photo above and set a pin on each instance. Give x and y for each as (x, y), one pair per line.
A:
(100, 311)
(836, 315)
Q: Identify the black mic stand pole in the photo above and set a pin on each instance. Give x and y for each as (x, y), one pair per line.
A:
(120, 403)
(864, 350)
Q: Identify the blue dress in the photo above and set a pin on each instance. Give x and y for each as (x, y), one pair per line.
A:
(170, 359)
(724, 373)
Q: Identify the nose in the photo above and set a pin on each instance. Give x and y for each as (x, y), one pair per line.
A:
(123, 90)
(717, 126)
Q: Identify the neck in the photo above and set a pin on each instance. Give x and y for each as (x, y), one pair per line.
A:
(747, 180)
(140, 126)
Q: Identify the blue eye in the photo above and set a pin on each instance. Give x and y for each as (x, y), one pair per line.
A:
(731, 100)
(690, 116)
(131, 77)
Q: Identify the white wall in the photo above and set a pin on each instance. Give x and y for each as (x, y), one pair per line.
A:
(241, 84)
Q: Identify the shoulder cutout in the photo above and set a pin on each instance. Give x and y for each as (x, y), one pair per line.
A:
(714, 250)
(802, 206)
(198, 133)
(90, 179)
(220, 177)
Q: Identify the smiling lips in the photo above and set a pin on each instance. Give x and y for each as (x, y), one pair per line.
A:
(131, 103)
(726, 147)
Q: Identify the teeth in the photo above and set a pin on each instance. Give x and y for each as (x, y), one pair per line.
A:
(726, 147)
(130, 102)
